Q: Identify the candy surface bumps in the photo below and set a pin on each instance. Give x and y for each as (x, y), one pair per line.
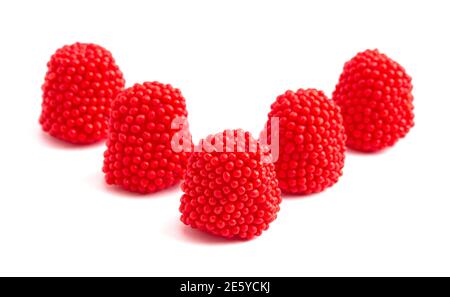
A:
(231, 193)
(139, 155)
(81, 81)
(374, 93)
(311, 141)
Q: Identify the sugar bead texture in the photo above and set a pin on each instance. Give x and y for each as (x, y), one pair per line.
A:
(230, 194)
(139, 155)
(375, 96)
(311, 141)
(81, 81)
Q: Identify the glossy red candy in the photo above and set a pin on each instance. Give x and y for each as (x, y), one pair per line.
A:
(311, 141)
(375, 96)
(81, 81)
(140, 156)
(230, 192)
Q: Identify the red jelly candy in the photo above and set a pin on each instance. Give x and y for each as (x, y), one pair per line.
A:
(311, 141)
(230, 192)
(81, 81)
(374, 93)
(140, 156)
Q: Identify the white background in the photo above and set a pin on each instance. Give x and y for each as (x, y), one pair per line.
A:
(388, 215)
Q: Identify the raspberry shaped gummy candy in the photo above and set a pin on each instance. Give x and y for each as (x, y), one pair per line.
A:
(311, 141)
(374, 93)
(140, 155)
(81, 81)
(230, 187)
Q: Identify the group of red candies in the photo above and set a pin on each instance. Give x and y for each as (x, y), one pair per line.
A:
(232, 193)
